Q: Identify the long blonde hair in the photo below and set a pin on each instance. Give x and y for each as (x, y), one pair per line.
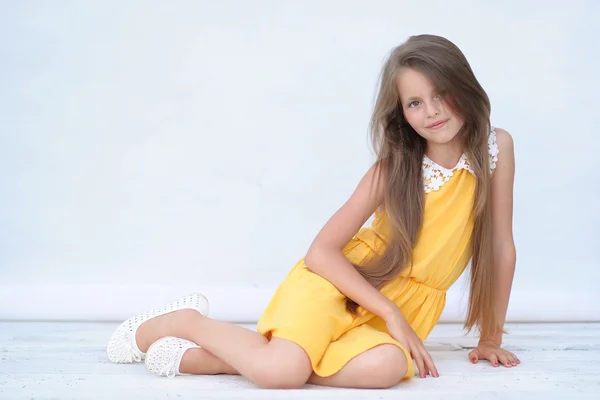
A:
(400, 151)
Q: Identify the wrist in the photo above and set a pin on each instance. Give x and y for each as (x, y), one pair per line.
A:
(390, 311)
(492, 338)
(491, 341)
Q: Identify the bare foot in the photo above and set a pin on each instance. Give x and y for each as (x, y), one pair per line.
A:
(171, 324)
(201, 362)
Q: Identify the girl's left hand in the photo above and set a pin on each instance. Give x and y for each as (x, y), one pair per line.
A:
(494, 354)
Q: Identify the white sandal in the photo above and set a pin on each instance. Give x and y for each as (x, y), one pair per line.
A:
(164, 356)
(122, 347)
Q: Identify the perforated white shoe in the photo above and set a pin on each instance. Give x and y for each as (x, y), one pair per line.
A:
(122, 347)
(164, 356)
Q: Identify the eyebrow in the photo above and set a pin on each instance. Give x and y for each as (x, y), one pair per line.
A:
(412, 98)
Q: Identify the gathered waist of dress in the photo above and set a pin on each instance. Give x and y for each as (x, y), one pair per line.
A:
(402, 289)
(369, 242)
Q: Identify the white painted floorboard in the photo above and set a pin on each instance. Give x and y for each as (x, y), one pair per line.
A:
(68, 361)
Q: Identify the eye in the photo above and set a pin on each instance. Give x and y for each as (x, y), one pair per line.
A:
(413, 104)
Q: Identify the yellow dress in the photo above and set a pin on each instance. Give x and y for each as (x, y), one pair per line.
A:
(308, 310)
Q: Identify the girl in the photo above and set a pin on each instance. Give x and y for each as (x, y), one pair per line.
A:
(355, 310)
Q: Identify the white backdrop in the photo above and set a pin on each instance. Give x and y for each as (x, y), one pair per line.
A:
(150, 148)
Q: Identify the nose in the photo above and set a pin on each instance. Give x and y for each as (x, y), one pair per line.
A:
(433, 108)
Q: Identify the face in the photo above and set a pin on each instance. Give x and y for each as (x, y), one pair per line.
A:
(425, 110)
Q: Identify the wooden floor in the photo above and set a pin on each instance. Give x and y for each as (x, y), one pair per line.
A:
(68, 361)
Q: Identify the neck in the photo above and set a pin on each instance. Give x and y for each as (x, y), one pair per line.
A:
(446, 155)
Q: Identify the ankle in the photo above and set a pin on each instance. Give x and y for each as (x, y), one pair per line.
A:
(200, 362)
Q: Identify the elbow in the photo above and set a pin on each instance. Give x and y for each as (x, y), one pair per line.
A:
(506, 256)
(309, 258)
(511, 254)
(312, 257)
(317, 257)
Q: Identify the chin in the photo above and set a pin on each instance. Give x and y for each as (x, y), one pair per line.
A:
(442, 138)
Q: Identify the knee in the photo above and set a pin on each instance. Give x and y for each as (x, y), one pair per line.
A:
(280, 377)
(387, 367)
(283, 366)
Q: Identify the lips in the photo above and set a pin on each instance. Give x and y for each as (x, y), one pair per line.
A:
(437, 124)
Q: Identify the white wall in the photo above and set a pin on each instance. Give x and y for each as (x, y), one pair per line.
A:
(151, 148)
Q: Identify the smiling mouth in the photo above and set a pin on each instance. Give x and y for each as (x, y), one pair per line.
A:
(437, 124)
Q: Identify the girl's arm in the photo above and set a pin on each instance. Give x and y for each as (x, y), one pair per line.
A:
(325, 256)
(503, 249)
(503, 245)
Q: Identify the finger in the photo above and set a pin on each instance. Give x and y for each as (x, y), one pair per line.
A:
(431, 365)
(494, 359)
(504, 360)
(433, 369)
(511, 359)
(414, 353)
(474, 356)
(421, 366)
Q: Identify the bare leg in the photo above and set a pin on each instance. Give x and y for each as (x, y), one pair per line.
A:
(201, 362)
(381, 367)
(275, 364)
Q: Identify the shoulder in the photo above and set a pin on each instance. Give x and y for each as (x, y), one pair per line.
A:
(501, 148)
(503, 139)
(503, 163)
